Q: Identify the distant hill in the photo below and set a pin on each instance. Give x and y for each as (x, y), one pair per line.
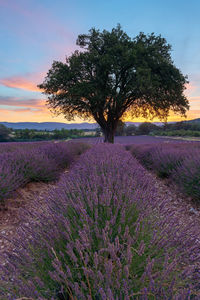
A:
(49, 125)
(194, 121)
(56, 125)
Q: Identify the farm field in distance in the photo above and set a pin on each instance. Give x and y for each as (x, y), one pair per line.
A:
(137, 139)
(100, 220)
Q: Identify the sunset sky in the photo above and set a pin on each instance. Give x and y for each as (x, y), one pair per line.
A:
(33, 33)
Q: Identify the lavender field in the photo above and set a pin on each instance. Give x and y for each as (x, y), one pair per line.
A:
(105, 231)
(21, 163)
(178, 162)
(127, 140)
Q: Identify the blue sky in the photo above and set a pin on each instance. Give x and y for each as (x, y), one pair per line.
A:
(33, 33)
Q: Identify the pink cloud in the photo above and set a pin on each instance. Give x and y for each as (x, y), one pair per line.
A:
(19, 83)
(27, 82)
(15, 101)
(23, 105)
(19, 111)
(23, 110)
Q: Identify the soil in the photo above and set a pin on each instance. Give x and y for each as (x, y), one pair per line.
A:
(10, 219)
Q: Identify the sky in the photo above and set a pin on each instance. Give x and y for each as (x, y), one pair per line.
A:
(34, 33)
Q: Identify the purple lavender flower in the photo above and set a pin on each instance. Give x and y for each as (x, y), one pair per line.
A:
(124, 243)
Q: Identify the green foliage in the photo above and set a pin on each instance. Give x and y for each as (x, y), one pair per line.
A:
(64, 133)
(194, 126)
(186, 128)
(146, 127)
(181, 132)
(4, 133)
(115, 75)
(131, 130)
(40, 135)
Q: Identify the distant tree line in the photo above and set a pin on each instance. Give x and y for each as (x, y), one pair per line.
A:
(146, 128)
(179, 129)
(183, 125)
(8, 134)
(32, 134)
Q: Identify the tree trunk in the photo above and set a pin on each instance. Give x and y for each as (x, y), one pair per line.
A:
(108, 135)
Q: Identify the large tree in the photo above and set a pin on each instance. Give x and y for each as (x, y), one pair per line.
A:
(115, 75)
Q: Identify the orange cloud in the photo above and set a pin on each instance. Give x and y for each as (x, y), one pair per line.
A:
(194, 103)
(14, 109)
(27, 82)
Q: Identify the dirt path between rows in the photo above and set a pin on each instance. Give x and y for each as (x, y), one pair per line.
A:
(10, 219)
(185, 207)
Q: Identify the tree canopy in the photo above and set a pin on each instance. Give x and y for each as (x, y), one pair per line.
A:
(114, 75)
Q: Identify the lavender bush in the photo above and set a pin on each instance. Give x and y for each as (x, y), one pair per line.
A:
(104, 235)
(63, 153)
(27, 162)
(164, 157)
(180, 162)
(10, 179)
(187, 176)
(143, 154)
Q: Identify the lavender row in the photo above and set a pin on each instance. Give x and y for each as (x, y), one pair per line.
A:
(180, 162)
(27, 162)
(105, 234)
